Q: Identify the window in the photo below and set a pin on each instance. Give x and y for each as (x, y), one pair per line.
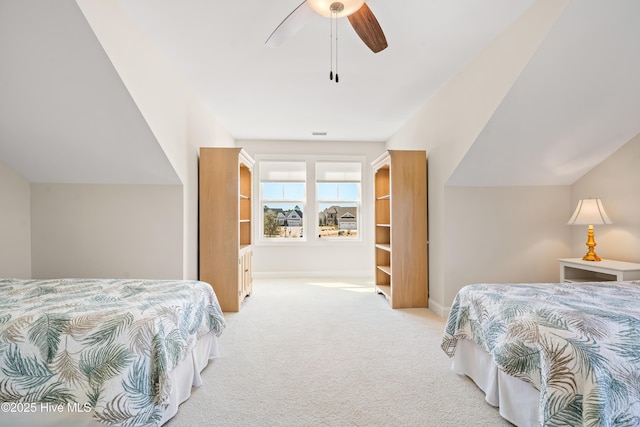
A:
(338, 199)
(327, 211)
(283, 196)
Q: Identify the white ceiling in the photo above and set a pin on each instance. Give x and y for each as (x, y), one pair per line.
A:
(65, 115)
(260, 92)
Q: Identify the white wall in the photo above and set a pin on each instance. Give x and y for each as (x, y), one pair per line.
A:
(317, 257)
(180, 122)
(451, 121)
(107, 231)
(503, 235)
(616, 181)
(15, 224)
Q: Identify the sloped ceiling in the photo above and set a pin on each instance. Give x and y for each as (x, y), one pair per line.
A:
(576, 103)
(65, 115)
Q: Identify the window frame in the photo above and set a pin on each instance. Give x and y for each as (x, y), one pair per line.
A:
(345, 179)
(300, 203)
(310, 222)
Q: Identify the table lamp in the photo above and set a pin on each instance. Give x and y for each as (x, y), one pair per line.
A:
(590, 212)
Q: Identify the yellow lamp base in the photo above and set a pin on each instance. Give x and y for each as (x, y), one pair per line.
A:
(591, 256)
(591, 243)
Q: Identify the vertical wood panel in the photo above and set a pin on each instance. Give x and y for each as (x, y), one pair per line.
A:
(222, 229)
(407, 188)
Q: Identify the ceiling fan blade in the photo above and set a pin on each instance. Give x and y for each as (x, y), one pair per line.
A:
(367, 27)
(290, 25)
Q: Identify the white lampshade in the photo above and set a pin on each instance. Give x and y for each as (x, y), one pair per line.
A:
(589, 212)
(323, 7)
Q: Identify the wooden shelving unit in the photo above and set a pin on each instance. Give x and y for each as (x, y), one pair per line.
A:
(401, 260)
(225, 198)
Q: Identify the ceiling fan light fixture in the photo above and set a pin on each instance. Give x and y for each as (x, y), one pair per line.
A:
(324, 7)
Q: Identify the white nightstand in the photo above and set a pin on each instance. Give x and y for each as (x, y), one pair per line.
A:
(578, 270)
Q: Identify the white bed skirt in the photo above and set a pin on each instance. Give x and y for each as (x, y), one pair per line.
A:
(185, 376)
(516, 400)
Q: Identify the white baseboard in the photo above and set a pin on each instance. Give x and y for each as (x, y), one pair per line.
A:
(438, 309)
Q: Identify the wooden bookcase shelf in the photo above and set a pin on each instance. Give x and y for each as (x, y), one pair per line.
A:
(225, 197)
(400, 194)
(385, 268)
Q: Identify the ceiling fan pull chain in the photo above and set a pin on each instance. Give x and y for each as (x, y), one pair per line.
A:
(331, 43)
(337, 79)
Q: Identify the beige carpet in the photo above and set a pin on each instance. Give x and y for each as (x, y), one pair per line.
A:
(331, 353)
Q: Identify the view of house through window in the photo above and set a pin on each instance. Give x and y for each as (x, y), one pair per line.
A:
(282, 189)
(284, 198)
(338, 199)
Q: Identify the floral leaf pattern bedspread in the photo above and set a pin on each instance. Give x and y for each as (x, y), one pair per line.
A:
(577, 343)
(103, 344)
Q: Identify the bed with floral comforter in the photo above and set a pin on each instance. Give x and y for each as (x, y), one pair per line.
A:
(577, 343)
(106, 346)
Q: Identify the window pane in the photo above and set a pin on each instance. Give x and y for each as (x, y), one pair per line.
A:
(272, 190)
(338, 199)
(283, 220)
(327, 191)
(293, 191)
(338, 220)
(349, 191)
(283, 190)
(338, 191)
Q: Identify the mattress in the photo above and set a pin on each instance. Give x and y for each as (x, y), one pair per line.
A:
(115, 352)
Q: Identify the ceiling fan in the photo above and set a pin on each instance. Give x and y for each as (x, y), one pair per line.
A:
(360, 16)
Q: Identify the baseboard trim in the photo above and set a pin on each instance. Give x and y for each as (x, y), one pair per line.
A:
(439, 309)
